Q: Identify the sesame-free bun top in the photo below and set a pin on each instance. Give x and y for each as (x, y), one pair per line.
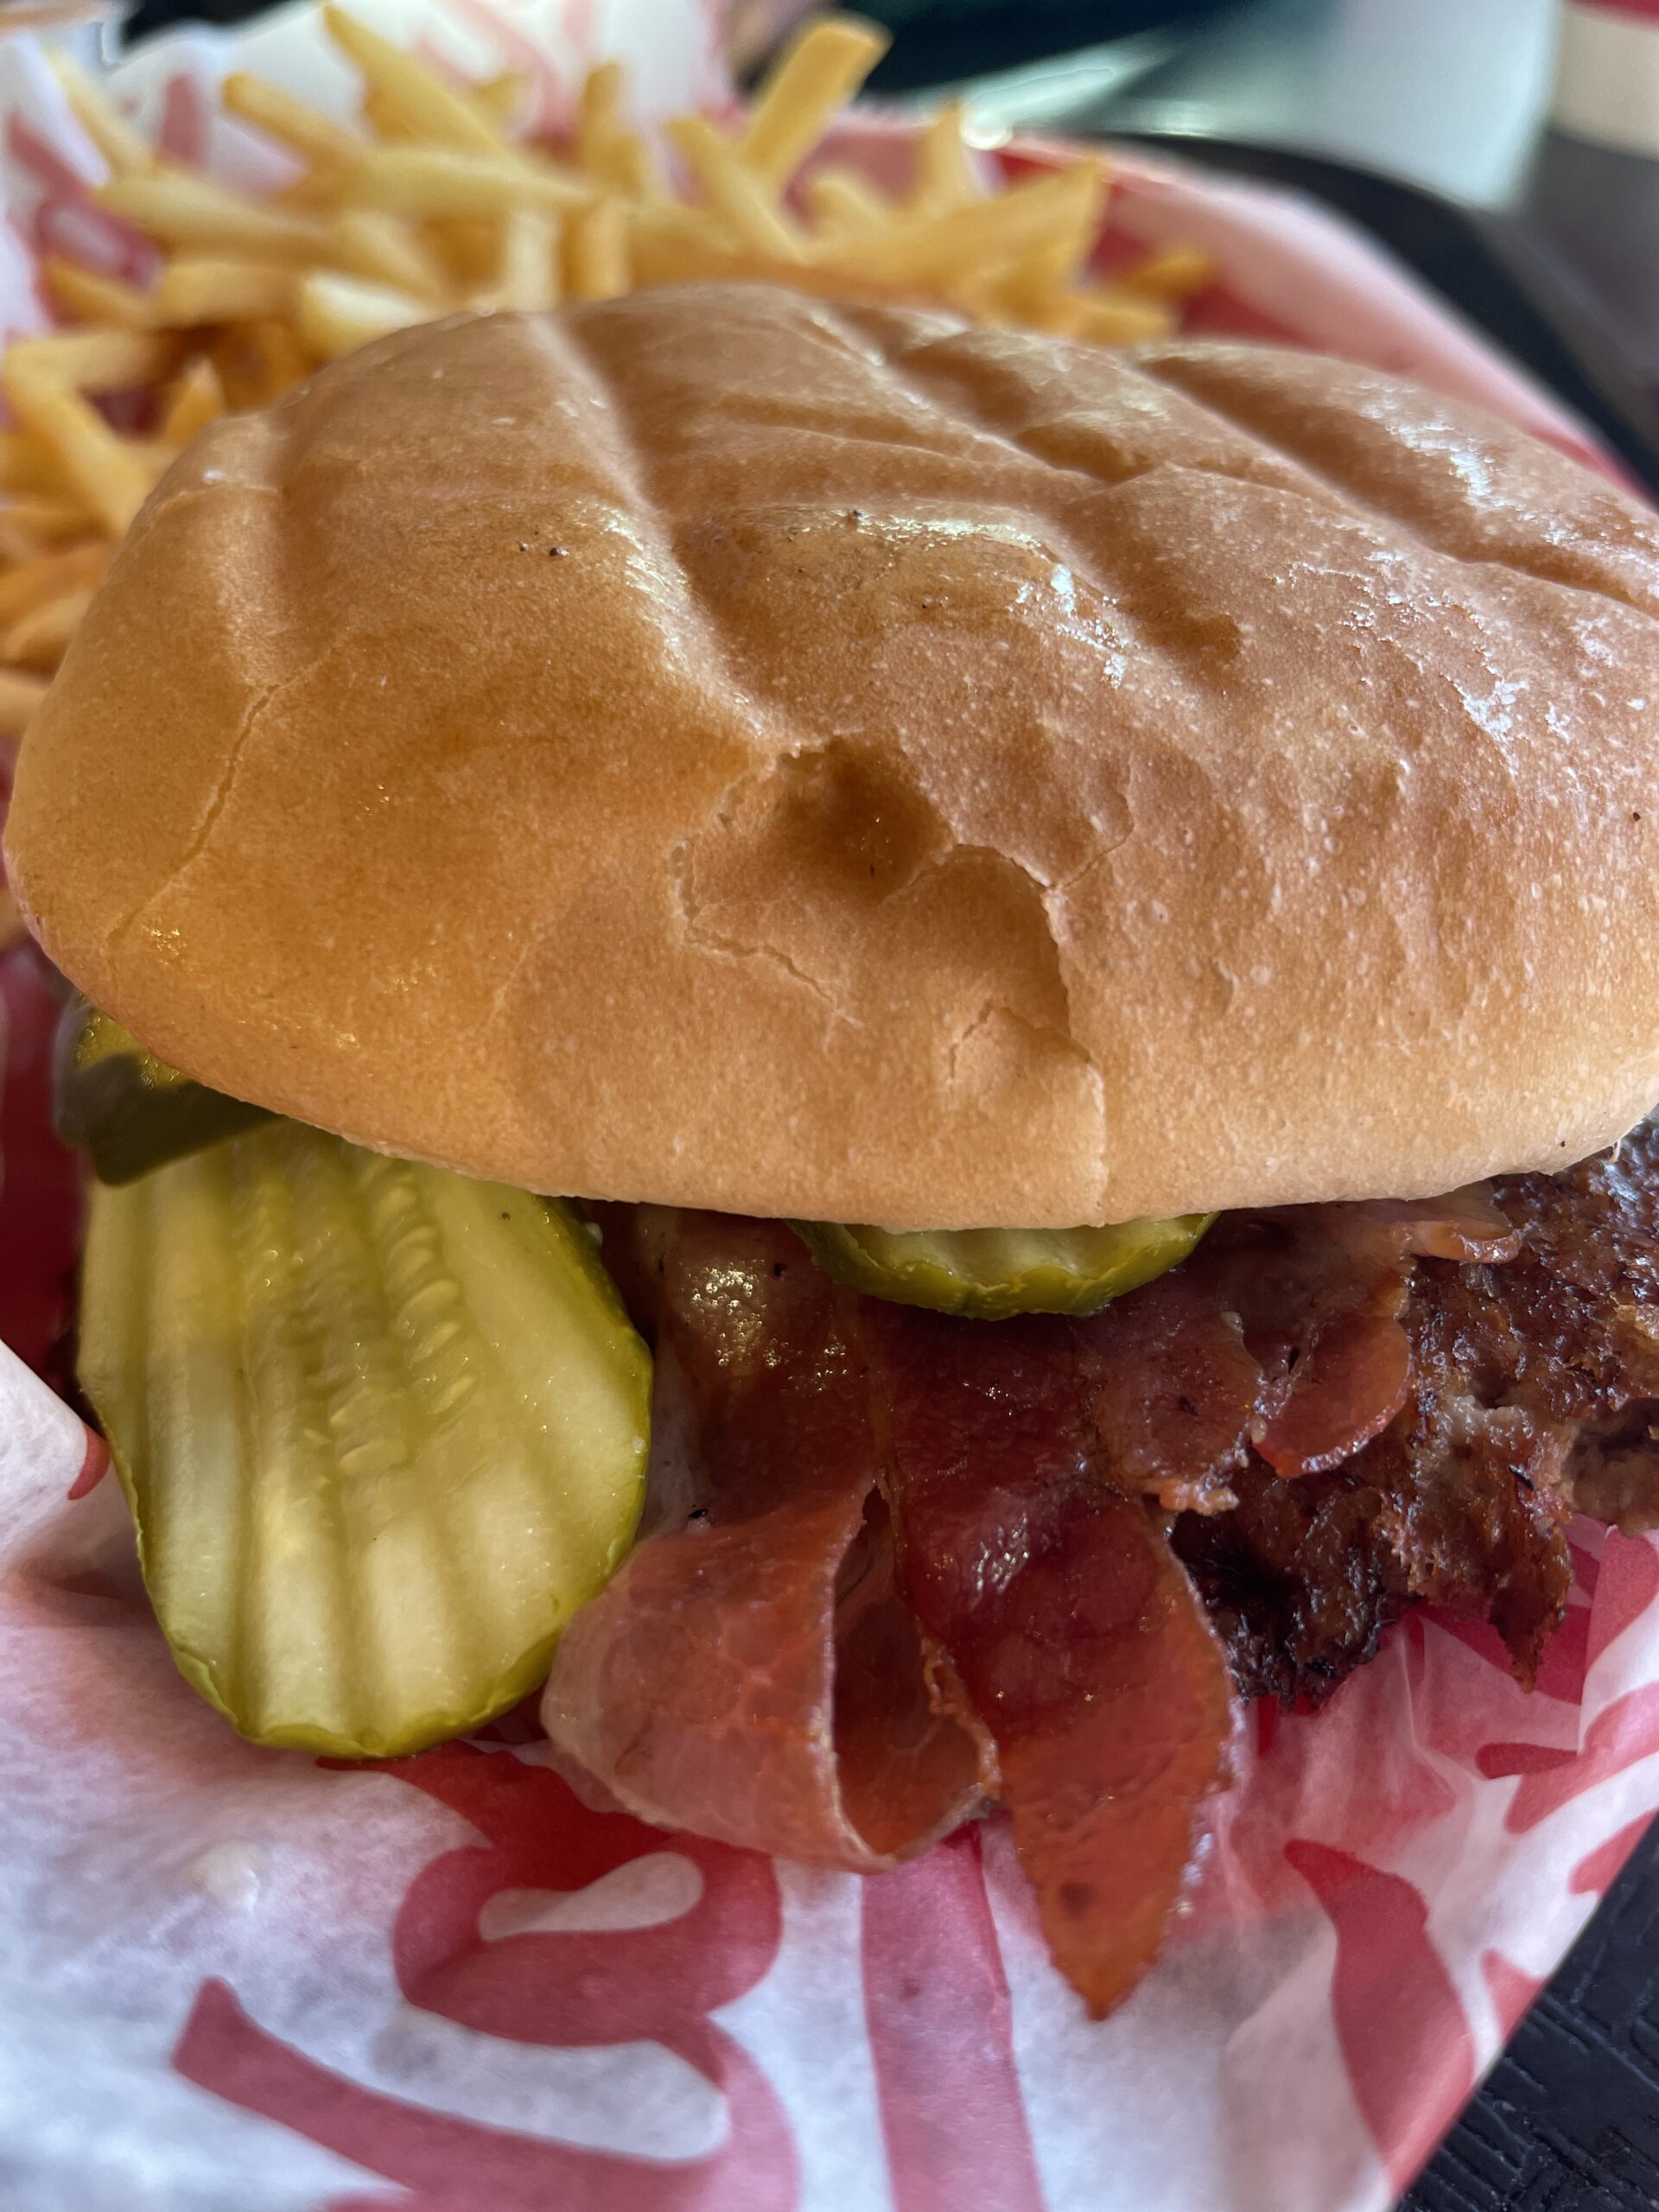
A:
(720, 747)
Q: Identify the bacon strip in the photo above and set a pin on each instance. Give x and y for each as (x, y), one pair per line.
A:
(1174, 1390)
(1072, 1631)
(756, 1673)
(750, 1673)
(1467, 1225)
(901, 1562)
(1331, 1303)
(1355, 1374)
(1281, 1336)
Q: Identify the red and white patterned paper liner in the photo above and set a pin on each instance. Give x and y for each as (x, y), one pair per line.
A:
(235, 1976)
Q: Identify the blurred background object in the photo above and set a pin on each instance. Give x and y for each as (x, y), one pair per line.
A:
(86, 29)
(938, 39)
(1607, 79)
(1448, 94)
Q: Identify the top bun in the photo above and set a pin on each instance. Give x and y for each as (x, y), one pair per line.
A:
(719, 748)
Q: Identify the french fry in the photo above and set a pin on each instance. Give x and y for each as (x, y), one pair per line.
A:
(42, 521)
(182, 209)
(432, 206)
(415, 94)
(819, 71)
(256, 362)
(122, 146)
(1110, 318)
(200, 288)
(944, 171)
(38, 638)
(383, 120)
(425, 180)
(49, 577)
(369, 243)
(671, 244)
(1173, 272)
(91, 297)
(469, 248)
(503, 100)
(306, 130)
(741, 197)
(599, 112)
(846, 205)
(969, 241)
(197, 399)
(596, 252)
(90, 361)
(339, 314)
(529, 275)
(626, 160)
(18, 546)
(112, 479)
(237, 360)
(1035, 290)
(606, 150)
(314, 191)
(20, 696)
(26, 465)
(280, 361)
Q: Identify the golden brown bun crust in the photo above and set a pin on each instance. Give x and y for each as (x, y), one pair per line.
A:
(721, 748)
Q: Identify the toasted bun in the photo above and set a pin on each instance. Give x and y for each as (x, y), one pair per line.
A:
(721, 748)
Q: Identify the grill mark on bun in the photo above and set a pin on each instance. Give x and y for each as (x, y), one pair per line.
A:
(946, 778)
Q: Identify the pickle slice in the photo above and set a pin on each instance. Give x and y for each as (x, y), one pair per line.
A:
(130, 1110)
(990, 1274)
(382, 1429)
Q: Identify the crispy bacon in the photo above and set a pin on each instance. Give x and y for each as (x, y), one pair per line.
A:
(1281, 1337)
(900, 1564)
(750, 1672)
(1174, 1389)
(1073, 1633)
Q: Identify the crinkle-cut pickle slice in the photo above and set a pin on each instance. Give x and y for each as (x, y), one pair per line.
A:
(382, 1428)
(129, 1110)
(990, 1274)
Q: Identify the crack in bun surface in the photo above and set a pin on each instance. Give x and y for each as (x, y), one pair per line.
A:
(719, 748)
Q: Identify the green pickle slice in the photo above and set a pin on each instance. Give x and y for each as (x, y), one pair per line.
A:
(989, 1275)
(130, 1110)
(382, 1428)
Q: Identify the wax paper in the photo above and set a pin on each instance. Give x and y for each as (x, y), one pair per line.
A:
(231, 1977)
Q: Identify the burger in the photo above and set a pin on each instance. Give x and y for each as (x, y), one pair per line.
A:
(911, 1053)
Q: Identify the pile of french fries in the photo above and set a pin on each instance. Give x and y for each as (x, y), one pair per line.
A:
(433, 204)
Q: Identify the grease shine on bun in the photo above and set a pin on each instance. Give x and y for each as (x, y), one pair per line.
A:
(720, 747)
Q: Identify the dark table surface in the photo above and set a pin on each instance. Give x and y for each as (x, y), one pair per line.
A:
(1568, 2120)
